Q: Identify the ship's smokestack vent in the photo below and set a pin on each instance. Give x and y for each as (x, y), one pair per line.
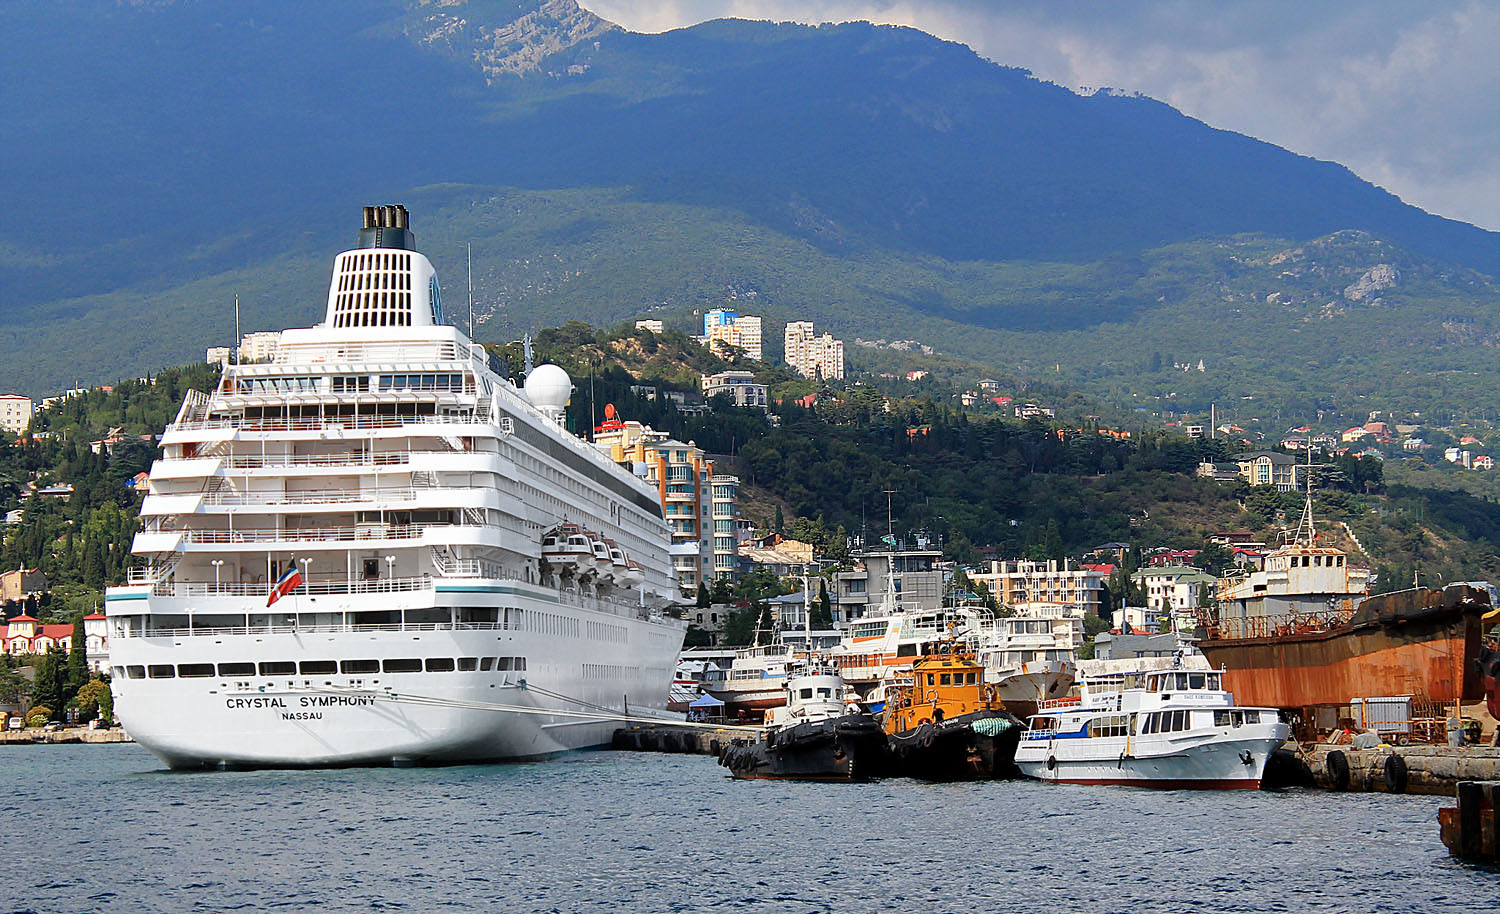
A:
(386, 226)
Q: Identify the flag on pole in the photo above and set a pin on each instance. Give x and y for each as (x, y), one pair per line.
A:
(888, 540)
(289, 581)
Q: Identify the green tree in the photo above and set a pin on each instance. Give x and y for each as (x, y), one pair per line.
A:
(780, 521)
(741, 626)
(822, 616)
(51, 680)
(89, 699)
(78, 660)
(14, 688)
(705, 599)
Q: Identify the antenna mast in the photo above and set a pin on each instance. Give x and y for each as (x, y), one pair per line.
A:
(471, 291)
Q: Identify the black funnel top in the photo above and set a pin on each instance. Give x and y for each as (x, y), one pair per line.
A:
(387, 227)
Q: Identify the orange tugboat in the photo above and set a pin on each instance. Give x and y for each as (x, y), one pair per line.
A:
(946, 723)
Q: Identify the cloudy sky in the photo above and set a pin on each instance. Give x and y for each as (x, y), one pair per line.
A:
(1405, 93)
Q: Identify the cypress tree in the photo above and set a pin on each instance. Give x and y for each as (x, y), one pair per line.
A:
(78, 660)
(48, 687)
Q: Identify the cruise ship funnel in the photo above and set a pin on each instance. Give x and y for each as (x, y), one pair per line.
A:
(387, 226)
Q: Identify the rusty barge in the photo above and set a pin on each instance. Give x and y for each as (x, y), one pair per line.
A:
(1420, 642)
(1301, 633)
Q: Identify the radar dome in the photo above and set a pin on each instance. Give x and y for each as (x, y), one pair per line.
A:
(548, 387)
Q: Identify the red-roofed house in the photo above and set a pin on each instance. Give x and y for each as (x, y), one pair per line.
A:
(25, 635)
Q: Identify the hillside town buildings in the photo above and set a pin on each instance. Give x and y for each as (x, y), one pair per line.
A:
(1173, 591)
(15, 413)
(813, 356)
(741, 386)
(912, 575)
(1020, 583)
(25, 634)
(654, 326)
(725, 331)
(700, 505)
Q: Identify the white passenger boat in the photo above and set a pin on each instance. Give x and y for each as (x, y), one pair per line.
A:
(1179, 729)
(369, 550)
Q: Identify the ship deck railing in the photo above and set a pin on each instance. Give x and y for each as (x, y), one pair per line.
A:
(317, 424)
(1280, 625)
(622, 606)
(260, 588)
(284, 629)
(274, 461)
(315, 534)
(252, 498)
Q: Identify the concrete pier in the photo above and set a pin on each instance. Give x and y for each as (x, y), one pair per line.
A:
(64, 735)
(1424, 769)
(689, 740)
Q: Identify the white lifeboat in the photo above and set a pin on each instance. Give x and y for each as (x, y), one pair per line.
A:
(604, 566)
(635, 575)
(568, 550)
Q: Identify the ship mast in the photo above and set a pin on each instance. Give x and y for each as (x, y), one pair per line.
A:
(1306, 532)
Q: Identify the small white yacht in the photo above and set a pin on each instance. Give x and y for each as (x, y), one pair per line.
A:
(1176, 729)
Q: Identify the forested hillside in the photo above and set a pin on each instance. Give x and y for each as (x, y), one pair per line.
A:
(884, 183)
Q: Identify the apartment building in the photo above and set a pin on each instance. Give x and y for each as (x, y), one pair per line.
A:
(813, 356)
(697, 503)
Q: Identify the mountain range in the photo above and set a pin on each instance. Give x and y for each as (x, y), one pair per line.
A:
(165, 156)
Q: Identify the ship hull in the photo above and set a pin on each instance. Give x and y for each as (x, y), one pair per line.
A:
(1190, 763)
(1396, 645)
(428, 716)
(974, 746)
(1023, 689)
(847, 748)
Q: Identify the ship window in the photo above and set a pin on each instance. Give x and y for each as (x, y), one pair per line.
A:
(359, 666)
(278, 668)
(1213, 681)
(945, 680)
(160, 671)
(1221, 719)
(236, 669)
(403, 666)
(319, 667)
(825, 693)
(135, 671)
(487, 664)
(805, 693)
(969, 679)
(439, 664)
(1196, 681)
(521, 664)
(467, 664)
(195, 670)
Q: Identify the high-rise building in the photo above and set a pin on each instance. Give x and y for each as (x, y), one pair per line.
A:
(15, 413)
(259, 347)
(696, 503)
(730, 328)
(813, 356)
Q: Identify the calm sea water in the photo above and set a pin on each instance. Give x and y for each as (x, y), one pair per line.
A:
(104, 828)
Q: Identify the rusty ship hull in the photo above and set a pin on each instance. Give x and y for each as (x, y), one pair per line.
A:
(1420, 642)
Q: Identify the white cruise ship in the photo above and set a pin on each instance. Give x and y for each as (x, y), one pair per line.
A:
(428, 522)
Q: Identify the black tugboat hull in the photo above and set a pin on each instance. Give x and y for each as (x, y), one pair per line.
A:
(848, 748)
(954, 750)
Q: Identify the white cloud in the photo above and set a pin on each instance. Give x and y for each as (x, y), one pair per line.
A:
(1404, 94)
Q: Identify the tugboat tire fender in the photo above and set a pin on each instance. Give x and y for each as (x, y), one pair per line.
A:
(1337, 766)
(1395, 774)
(1051, 763)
